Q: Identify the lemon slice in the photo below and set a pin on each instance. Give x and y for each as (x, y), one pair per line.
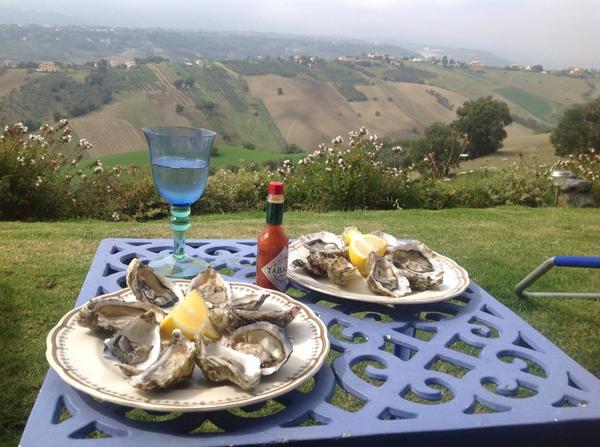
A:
(379, 244)
(360, 247)
(191, 317)
(350, 233)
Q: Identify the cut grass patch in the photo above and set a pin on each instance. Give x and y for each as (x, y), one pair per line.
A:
(43, 265)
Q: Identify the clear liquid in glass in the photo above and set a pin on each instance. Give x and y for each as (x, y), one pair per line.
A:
(180, 181)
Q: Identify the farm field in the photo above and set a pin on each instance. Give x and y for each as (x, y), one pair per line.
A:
(314, 105)
(14, 78)
(531, 150)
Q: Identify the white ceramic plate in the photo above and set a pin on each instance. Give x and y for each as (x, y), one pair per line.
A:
(75, 353)
(456, 280)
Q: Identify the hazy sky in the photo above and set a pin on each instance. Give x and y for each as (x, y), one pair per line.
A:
(552, 32)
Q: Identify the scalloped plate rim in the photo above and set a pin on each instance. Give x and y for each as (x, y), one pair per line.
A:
(65, 321)
(306, 281)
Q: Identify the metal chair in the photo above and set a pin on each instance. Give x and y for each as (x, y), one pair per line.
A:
(558, 261)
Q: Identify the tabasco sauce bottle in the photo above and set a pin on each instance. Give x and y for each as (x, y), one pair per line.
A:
(272, 249)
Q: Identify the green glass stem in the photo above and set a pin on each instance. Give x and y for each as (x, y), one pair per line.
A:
(180, 222)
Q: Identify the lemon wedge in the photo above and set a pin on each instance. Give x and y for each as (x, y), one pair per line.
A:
(191, 317)
(360, 247)
(350, 233)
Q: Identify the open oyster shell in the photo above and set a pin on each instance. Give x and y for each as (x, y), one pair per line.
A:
(175, 364)
(416, 261)
(114, 314)
(137, 344)
(323, 241)
(266, 341)
(227, 320)
(213, 288)
(150, 287)
(384, 278)
(220, 363)
(327, 263)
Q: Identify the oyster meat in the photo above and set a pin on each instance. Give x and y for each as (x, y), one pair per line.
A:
(416, 261)
(174, 364)
(340, 271)
(383, 278)
(250, 301)
(327, 263)
(113, 314)
(266, 341)
(213, 288)
(136, 344)
(323, 241)
(150, 287)
(220, 363)
(227, 320)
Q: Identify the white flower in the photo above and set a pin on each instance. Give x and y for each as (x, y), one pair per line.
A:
(328, 169)
(115, 216)
(38, 181)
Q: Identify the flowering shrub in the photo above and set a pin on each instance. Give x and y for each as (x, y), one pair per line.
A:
(229, 191)
(585, 165)
(38, 181)
(35, 172)
(118, 194)
(343, 177)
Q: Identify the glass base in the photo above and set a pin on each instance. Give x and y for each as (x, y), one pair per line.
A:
(185, 267)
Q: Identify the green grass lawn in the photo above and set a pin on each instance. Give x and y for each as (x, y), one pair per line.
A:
(43, 265)
(228, 156)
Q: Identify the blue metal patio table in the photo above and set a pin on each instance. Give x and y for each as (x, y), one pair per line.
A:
(460, 372)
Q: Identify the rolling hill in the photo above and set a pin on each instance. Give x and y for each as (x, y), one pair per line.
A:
(276, 102)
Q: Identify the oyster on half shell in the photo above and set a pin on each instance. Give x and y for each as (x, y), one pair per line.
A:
(137, 344)
(151, 287)
(266, 341)
(327, 263)
(323, 241)
(383, 278)
(174, 364)
(416, 261)
(213, 288)
(227, 320)
(113, 314)
(220, 363)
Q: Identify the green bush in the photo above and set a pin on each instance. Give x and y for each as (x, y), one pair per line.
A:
(35, 173)
(343, 177)
(39, 182)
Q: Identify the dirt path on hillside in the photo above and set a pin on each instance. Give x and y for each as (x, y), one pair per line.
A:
(169, 88)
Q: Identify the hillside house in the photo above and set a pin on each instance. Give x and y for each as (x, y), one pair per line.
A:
(129, 64)
(475, 64)
(344, 59)
(48, 67)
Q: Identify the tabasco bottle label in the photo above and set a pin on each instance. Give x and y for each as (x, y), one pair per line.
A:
(276, 270)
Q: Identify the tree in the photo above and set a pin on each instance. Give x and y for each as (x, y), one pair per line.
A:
(578, 130)
(482, 122)
(445, 61)
(179, 109)
(279, 91)
(178, 83)
(189, 82)
(438, 152)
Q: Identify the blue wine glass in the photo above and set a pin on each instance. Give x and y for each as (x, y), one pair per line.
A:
(180, 159)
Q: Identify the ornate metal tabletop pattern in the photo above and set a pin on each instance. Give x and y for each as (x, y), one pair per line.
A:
(468, 365)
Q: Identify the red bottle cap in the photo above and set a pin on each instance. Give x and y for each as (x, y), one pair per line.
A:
(276, 188)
